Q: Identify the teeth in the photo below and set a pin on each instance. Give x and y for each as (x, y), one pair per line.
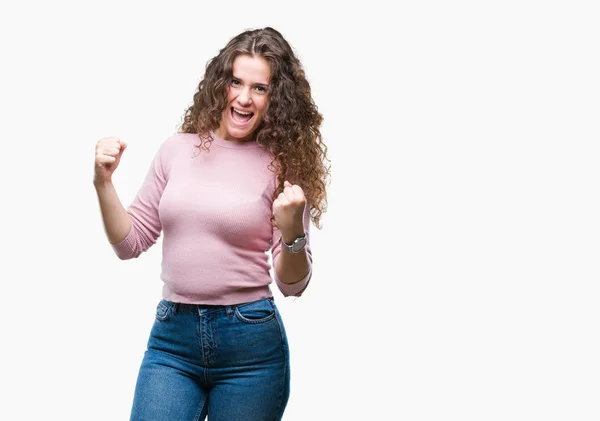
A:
(241, 112)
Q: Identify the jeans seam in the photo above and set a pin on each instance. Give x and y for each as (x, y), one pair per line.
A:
(199, 410)
(242, 319)
(285, 371)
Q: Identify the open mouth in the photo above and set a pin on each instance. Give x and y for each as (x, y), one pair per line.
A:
(241, 117)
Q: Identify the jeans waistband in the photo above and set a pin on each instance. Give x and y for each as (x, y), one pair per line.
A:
(184, 307)
(208, 308)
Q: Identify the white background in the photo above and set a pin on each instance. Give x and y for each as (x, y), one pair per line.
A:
(456, 274)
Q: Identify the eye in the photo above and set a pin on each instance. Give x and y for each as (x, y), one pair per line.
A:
(261, 89)
(235, 82)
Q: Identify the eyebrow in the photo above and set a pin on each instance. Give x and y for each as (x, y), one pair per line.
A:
(265, 85)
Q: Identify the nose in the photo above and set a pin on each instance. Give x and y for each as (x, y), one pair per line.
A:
(244, 98)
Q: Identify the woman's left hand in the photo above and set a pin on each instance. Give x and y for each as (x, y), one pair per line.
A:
(288, 210)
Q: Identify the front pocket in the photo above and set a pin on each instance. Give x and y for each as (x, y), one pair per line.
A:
(260, 311)
(162, 311)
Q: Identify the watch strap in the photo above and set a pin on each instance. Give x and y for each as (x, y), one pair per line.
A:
(290, 247)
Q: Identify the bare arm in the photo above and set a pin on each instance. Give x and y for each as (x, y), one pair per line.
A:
(292, 267)
(292, 270)
(117, 222)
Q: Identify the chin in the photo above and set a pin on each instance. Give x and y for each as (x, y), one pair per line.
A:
(238, 133)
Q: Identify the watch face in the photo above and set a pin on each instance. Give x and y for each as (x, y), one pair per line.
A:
(298, 245)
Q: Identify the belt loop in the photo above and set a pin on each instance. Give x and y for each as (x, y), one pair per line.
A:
(175, 305)
(229, 310)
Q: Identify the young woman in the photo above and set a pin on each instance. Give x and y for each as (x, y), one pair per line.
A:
(246, 174)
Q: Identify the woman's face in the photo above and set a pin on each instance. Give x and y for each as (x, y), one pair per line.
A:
(247, 98)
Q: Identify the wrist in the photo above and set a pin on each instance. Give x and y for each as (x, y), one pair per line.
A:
(296, 245)
(99, 184)
(288, 237)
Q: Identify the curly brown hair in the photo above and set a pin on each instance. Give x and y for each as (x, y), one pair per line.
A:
(290, 126)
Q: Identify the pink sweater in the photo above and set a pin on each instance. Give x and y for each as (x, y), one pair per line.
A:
(214, 209)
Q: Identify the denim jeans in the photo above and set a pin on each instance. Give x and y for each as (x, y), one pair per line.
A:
(227, 362)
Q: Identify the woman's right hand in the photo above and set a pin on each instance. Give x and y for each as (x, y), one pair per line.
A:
(108, 155)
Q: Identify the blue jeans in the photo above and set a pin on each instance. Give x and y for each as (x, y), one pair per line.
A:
(228, 362)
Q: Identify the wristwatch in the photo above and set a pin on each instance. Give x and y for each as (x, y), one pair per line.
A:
(297, 245)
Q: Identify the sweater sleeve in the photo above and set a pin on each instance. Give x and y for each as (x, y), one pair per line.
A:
(297, 288)
(146, 226)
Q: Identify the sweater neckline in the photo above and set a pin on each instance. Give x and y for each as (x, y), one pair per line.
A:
(230, 144)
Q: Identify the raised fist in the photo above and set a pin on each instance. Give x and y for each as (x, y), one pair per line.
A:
(288, 210)
(108, 155)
